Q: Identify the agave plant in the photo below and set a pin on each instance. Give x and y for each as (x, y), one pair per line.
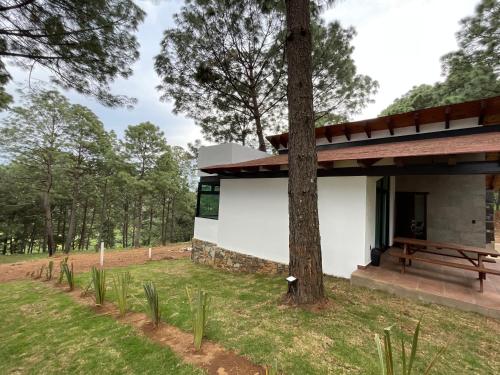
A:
(61, 269)
(198, 303)
(153, 302)
(121, 284)
(70, 276)
(49, 270)
(385, 353)
(99, 283)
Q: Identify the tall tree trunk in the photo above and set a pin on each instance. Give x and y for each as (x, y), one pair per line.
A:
(32, 238)
(81, 242)
(256, 113)
(103, 213)
(304, 237)
(125, 224)
(91, 229)
(138, 224)
(72, 218)
(163, 204)
(47, 210)
(150, 223)
(63, 232)
(172, 222)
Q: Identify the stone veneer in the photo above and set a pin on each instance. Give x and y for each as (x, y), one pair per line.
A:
(204, 252)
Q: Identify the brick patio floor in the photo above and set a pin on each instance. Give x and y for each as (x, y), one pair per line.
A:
(434, 284)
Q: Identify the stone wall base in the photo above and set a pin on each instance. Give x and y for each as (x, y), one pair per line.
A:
(204, 252)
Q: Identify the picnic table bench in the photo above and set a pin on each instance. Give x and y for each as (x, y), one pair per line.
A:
(475, 255)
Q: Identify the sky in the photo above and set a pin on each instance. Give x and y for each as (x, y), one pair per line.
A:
(399, 43)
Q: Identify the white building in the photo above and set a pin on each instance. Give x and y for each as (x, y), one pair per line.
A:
(421, 174)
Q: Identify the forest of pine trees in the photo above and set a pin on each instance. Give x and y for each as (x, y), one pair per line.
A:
(67, 184)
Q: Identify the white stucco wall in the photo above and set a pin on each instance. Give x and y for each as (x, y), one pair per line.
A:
(253, 219)
(206, 229)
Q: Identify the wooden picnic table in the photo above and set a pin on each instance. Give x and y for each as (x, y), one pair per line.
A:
(475, 255)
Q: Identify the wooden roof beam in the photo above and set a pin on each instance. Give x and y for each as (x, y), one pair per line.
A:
(368, 130)
(326, 164)
(328, 134)
(283, 141)
(347, 133)
(367, 162)
(390, 126)
(416, 122)
(480, 120)
(275, 142)
(270, 167)
(447, 113)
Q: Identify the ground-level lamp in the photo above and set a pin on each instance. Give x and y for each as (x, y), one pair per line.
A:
(292, 284)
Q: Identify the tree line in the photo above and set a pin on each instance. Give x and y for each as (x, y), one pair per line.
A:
(67, 184)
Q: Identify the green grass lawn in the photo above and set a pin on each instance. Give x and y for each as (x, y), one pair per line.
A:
(42, 331)
(14, 258)
(246, 316)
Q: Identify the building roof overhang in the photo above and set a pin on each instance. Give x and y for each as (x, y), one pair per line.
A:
(487, 112)
(367, 155)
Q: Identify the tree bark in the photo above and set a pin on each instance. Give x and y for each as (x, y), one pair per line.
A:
(49, 232)
(172, 223)
(103, 213)
(125, 225)
(91, 229)
(150, 223)
(72, 219)
(304, 237)
(138, 223)
(256, 114)
(163, 220)
(81, 242)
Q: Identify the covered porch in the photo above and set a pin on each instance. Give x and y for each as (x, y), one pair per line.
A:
(458, 209)
(434, 284)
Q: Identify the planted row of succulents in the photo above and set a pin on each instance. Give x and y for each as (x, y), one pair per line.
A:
(198, 299)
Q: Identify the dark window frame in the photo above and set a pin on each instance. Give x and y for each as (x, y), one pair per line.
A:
(213, 191)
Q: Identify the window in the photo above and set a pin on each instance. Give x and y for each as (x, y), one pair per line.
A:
(208, 200)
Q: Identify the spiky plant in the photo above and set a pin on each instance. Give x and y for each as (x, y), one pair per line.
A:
(198, 303)
(385, 353)
(153, 302)
(61, 270)
(99, 284)
(70, 277)
(50, 269)
(121, 284)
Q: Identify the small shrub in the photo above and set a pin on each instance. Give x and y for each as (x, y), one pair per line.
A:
(99, 283)
(121, 284)
(61, 270)
(153, 302)
(68, 272)
(49, 270)
(198, 302)
(386, 359)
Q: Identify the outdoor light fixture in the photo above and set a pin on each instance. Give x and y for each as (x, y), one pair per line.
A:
(292, 283)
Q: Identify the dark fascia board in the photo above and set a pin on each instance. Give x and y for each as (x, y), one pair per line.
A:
(466, 168)
(411, 137)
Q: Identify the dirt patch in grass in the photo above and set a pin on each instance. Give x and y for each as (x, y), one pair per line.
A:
(212, 357)
(84, 262)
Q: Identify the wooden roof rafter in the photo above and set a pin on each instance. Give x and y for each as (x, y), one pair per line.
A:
(487, 111)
